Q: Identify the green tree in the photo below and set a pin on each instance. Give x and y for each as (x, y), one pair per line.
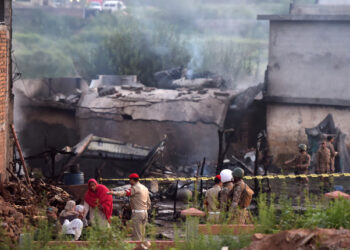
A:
(134, 49)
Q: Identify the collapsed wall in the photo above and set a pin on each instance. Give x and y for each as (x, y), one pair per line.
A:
(44, 112)
(140, 115)
(54, 113)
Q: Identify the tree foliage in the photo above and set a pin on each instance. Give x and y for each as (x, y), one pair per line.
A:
(136, 50)
(153, 35)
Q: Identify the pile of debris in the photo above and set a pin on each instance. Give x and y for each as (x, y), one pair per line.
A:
(162, 171)
(20, 203)
(181, 77)
(302, 239)
(11, 220)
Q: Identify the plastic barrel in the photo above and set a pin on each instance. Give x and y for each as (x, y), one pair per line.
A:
(73, 178)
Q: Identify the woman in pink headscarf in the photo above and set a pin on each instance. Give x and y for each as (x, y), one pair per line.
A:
(99, 203)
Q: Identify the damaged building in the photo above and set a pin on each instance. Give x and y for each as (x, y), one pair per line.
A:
(307, 76)
(52, 115)
(45, 117)
(189, 119)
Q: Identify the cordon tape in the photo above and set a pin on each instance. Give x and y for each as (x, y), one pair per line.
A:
(259, 177)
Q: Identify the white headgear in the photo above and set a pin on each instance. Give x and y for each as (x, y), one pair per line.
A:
(79, 208)
(226, 175)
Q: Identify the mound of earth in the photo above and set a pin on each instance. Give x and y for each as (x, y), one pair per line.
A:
(302, 239)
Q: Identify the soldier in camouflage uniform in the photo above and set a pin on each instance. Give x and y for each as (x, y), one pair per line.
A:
(323, 165)
(301, 163)
(239, 214)
(330, 146)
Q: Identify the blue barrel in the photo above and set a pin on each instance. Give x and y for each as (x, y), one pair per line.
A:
(73, 178)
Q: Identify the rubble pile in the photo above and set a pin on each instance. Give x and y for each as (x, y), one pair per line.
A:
(181, 77)
(302, 239)
(11, 220)
(19, 202)
(162, 171)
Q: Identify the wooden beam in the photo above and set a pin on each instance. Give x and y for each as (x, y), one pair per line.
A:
(26, 174)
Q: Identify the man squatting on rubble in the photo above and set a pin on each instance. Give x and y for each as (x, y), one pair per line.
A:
(235, 196)
(301, 163)
(212, 201)
(140, 202)
(70, 221)
(73, 218)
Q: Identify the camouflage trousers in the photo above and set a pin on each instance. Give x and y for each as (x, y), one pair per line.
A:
(240, 216)
(326, 184)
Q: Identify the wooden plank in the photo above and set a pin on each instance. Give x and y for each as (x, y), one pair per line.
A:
(78, 154)
(21, 155)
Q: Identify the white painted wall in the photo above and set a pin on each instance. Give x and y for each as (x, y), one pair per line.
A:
(309, 59)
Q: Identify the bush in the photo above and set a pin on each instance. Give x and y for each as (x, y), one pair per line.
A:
(319, 213)
(136, 50)
(154, 35)
(49, 62)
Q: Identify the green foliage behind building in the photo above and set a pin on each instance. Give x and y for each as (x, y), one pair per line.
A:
(151, 35)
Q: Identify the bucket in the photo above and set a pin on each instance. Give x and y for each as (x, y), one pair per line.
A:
(73, 178)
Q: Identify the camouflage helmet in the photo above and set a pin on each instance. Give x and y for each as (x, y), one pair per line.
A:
(238, 172)
(302, 147)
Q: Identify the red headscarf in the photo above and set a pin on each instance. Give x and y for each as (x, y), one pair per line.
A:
(100, 196)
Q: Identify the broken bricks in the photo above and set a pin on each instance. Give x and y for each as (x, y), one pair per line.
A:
(21, 203)
(302, 239)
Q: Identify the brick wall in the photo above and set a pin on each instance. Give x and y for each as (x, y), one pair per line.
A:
(5, 97)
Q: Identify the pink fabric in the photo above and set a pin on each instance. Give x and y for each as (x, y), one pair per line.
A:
(100, 197)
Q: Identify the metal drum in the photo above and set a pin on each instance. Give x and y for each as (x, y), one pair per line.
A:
(73, 178)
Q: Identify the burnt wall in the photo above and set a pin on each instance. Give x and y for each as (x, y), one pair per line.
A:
(247, 124)
(40, 129)
(187, 142)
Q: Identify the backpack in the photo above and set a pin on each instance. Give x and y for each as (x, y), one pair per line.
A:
(246, 197)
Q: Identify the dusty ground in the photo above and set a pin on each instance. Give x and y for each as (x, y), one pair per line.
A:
(302, 239)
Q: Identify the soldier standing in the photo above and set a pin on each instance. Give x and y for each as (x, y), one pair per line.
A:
(212, 201)
(301, 163)
(140, 202)
(241, 197)
(323, 164)
(330, 146)
(224, 194)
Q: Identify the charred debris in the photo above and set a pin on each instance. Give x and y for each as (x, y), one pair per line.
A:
(116, 125)
(187, 125)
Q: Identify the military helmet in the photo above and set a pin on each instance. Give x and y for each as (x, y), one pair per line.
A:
(238, 172)
(302, 147)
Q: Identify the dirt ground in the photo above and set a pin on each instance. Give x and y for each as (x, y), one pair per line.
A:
(302, 239)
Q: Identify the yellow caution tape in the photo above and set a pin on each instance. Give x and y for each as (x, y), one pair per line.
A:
(259, 177)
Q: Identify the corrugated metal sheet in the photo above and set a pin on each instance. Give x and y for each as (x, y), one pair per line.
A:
(117, 148)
